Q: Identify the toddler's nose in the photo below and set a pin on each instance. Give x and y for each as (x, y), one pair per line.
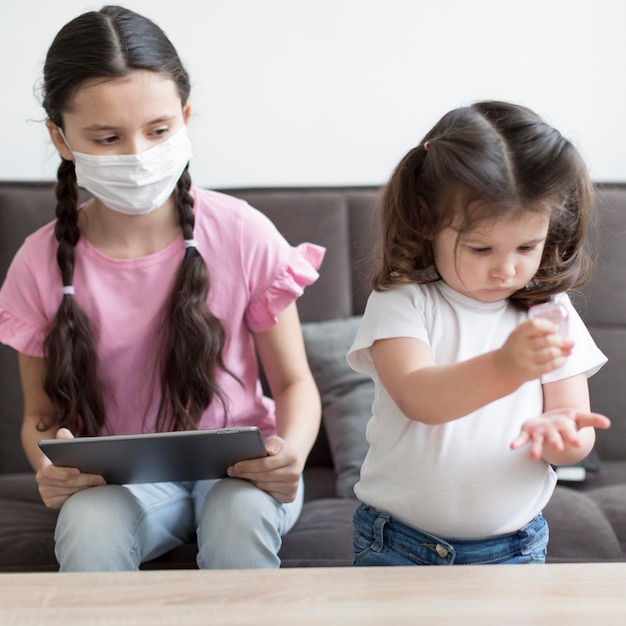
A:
(504, 270)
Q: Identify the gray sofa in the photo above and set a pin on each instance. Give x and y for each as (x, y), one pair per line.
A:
(587, 519)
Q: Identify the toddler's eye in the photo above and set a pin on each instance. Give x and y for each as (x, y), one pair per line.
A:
(480, 250)
(526, 248)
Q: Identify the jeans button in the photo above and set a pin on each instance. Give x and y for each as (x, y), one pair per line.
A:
(442, 551)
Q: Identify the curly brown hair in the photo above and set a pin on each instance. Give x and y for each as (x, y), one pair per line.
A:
(486, 161)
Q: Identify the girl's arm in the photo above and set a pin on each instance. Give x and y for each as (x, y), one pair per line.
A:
(56, 484)
(565, 433)
(37, 407)
(298, 409)
(434, 394)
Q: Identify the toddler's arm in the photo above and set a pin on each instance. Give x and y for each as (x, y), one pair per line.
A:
(434, 394)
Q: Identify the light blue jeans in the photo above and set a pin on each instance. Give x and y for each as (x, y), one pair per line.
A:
(379, 539)
(118, 527)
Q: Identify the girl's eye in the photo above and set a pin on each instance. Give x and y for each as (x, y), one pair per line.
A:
(480, 250)
(159, 132)
(105, 141)
(526, 248)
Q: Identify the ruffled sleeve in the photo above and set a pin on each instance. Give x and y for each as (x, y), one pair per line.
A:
(298, 270)
(20, 335)
(27, 302)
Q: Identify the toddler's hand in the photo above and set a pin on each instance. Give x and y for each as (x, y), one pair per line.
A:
(533, 349)
(555, 430)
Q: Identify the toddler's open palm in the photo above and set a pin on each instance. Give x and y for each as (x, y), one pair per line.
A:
(555, 430)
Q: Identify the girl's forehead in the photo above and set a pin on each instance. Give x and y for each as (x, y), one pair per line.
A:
(140, 91)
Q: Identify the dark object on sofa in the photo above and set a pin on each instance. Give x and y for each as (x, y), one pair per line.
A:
(587, 519)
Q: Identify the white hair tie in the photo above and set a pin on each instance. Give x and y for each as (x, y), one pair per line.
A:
(68, 290)
(191, 243)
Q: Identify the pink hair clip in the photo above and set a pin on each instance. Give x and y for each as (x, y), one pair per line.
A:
(426, 145)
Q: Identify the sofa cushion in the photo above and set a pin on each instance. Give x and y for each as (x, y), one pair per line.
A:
(579, 529)
(611, 473)
(309, 544)
(26, 527)
(12, 457)
(27, 533)
(610, 501)
(347, 396)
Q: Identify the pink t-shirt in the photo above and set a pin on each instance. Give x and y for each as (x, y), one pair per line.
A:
(254, 274)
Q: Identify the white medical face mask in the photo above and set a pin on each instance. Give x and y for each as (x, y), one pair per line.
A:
(134, 184)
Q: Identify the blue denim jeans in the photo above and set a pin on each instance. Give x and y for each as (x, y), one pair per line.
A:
(379, 539)
(118, 527)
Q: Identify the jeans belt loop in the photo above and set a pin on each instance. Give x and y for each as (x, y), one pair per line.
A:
(379, 525)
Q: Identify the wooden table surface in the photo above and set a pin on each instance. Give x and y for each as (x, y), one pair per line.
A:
(554, 595)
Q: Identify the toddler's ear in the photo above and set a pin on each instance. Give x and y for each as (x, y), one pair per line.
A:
(58, 141)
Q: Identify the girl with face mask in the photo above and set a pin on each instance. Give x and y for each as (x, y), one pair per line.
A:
(134, 184)
(143, 310)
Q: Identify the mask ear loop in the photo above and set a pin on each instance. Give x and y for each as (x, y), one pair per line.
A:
(65, 139)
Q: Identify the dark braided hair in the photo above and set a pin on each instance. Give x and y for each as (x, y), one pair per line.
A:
(108, 44)
(71, 380)
(193, 335)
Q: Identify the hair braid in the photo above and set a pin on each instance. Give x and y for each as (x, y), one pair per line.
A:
(108, 44)
(71, 381)
(194, 337)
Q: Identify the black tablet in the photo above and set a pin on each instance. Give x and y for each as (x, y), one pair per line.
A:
(150, 458)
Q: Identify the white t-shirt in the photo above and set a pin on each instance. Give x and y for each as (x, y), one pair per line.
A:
(459, 479)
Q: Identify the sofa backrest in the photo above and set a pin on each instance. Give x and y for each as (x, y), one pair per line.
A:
(602, 304)
(338, 219)
(343, 220)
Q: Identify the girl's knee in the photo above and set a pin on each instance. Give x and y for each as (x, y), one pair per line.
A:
(96, 507)
(239, 527)
(93, 531)
(236, 502)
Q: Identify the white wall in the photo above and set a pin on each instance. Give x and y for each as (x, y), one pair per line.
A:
(293, 92)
